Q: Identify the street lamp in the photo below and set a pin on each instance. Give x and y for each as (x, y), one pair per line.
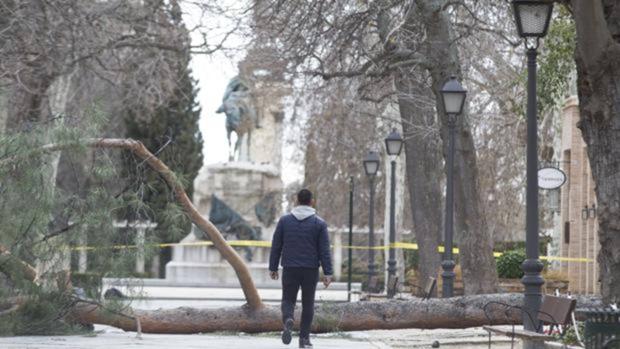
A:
(371, 167)
(453, 96)
(393, 146)
(532, 19)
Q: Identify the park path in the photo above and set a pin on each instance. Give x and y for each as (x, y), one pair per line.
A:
(110, 338)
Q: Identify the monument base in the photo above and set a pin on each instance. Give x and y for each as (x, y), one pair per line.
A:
(204, 264)
(241, 185)
(214, 273)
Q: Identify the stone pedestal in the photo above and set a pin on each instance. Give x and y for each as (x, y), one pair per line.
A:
(203, 264)
(241, 185)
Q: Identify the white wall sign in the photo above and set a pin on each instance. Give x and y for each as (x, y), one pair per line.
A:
(551, 178)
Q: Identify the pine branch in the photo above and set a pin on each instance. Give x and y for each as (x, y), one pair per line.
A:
(138, 149)
(15, 268)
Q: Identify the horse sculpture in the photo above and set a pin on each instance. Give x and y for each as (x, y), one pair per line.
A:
(240, 116)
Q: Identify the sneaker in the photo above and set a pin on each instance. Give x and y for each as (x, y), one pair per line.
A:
(288, 328)
(305, 343)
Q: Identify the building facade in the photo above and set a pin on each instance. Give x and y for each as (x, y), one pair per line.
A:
(579, 244)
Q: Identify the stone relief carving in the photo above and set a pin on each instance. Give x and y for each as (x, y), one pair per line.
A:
(266, 209)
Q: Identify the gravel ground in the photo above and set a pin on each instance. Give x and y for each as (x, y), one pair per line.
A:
(107, 337)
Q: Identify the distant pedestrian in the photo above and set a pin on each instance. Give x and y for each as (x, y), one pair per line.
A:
(302, 241)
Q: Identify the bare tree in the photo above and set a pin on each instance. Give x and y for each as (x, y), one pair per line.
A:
(598, 84)
(374, 42)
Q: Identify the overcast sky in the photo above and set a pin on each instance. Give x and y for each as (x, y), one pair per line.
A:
(213, 73)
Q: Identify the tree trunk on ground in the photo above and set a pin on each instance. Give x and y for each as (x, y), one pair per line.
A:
(476, 247)
(598, 84)
(423, 171)
(457, 312)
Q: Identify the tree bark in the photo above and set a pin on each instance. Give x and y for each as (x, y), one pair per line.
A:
(457, 312)
(423, 170)
(598, 85)
(476, 246)
(230, 255)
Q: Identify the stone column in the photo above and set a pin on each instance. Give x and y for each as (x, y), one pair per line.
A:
(140, 228)
(155, 266)
(82, 255)
(140, 237)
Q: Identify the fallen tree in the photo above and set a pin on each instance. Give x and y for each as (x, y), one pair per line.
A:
(457, 312)
(212, 233)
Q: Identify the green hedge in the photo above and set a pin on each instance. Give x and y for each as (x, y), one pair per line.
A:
(509, 264)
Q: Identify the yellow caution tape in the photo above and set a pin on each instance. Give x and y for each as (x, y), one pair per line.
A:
(264, 243)
(566, 259)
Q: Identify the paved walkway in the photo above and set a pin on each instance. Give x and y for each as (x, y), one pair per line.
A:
(108, 338)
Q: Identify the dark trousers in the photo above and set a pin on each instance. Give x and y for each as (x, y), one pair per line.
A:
(292, 279)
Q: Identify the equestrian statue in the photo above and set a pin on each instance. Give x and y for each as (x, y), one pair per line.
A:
(241, 117)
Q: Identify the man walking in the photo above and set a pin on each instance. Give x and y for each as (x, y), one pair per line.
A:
(302, 241)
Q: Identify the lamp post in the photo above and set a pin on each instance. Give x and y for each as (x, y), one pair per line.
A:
(453, 96)
(371, 167)
(532, 19)
(350, 260)
(393, 146)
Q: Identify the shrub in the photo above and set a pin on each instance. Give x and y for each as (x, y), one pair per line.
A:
(509, 264)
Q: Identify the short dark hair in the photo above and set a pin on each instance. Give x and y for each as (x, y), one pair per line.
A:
(304, 197)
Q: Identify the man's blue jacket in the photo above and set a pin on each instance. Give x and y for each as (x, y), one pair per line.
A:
(301, 240)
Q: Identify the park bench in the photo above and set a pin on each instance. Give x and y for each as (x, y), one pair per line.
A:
(613, 343)
(394, 286)
(602, 327)
(428, 289)
(373, 286)
(431, 285)
(554, 311)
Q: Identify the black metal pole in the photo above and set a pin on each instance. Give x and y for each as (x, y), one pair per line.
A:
(392, 257)
(448, 263)
(532, 266)
(371, 233)
(350, 261)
